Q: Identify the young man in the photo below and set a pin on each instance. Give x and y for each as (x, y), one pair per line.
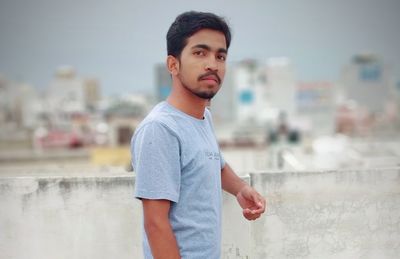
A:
(179, 168)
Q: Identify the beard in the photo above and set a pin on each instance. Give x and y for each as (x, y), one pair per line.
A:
(206, 94)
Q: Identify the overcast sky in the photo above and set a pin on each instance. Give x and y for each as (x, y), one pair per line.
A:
(119, 42)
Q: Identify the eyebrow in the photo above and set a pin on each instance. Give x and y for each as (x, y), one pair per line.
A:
(206, 47)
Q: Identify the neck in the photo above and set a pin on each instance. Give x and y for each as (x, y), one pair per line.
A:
(187, 102)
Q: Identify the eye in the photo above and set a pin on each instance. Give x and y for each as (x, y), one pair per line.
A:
(199, 53)
(221, 57)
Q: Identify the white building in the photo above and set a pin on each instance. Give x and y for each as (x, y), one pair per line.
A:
(248, 90)
(281, 85)
(254, 94)
(92, 93)
(367, 81)
(30, 105)
(242, 95)
(66, 92)
(316, 103)
(3, 99)
(18, 104)
(224, 104)
(69, 95)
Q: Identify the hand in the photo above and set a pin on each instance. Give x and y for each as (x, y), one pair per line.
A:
(252, 203)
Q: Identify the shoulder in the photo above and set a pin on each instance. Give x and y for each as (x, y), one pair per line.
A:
(160, 119)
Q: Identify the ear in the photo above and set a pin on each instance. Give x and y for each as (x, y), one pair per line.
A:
(172, 65)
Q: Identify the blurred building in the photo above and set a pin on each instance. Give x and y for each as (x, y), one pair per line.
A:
(92, 93)
(18, 104)
(248, 84)
(236, 100)
(281, 87)
(367, 80)
(254, 92)
(64, 116)
(253, 97)
(70, 96)
(370, 102)
(10, 108)
(29, 104)
(123, 116)
(65, 94)
(163, 82)
(316, 104)
(5, 115)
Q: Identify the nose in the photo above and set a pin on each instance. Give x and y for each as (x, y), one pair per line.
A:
(211, 64)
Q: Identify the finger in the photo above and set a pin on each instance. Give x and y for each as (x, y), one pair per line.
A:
(250, 215)
(257, 211)
(261, 203)
(247, 214)
(258, 207)
(256, 215)
(264, 203)
(257, 199)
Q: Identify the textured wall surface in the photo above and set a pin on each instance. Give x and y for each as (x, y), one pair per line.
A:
(341, 214)
(346, 214)
(78, 217)
(57, 217)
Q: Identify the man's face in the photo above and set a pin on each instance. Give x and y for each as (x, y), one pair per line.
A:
(202, 63)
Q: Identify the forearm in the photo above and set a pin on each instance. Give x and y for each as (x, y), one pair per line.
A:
(230, 181)
(162, 240)
(252, 203)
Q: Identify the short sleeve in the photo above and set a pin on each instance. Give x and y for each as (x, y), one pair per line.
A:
(156, 162)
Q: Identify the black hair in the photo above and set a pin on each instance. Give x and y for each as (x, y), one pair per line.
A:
(188, 23)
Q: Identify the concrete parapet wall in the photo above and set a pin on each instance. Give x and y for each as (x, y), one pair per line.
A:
(47, 217)
(340, 214)
(71, 217)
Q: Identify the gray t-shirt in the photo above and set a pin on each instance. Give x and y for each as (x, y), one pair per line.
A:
(176, 157)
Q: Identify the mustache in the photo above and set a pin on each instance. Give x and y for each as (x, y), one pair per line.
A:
(210, 73)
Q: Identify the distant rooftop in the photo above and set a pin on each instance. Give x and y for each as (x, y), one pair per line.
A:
(365, 58)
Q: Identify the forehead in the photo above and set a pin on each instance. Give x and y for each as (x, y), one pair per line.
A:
(211, 38)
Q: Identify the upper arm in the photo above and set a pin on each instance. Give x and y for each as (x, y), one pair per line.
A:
(156, 162)
(155, 209)
(155, 212)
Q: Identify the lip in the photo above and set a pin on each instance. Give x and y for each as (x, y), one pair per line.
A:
(210, 78)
